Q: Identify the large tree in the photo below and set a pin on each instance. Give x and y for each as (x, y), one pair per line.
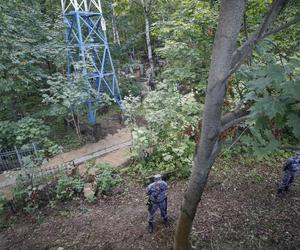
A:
(226, 59)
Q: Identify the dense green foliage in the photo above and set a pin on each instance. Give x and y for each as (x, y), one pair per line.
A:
(31, 50)
(105, 177)
(272, 87)
(3, 209)
(35, 189)
(22, 194)
(164, 94)
(36, 97)
(164, 142)
(68, 187)
(187, 39)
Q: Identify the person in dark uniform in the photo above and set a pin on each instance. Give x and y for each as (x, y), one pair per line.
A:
(157, 192)
(290, 169)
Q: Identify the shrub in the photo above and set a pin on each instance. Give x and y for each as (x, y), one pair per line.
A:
(29, 197)
(7, 134)
(3, 211)
(166, 140)
(30, 129)
(68, 187)
(130, 86)
(105, 178)
(21, 192)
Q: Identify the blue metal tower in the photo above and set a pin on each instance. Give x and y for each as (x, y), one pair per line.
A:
(87, 46)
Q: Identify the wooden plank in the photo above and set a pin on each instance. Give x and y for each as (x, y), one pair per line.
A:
(70, 165)
(102, 152)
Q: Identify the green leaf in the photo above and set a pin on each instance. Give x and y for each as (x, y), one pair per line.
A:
(269, 106)
(276, 72)
(260, 83)
(291, 89)
(293, 122)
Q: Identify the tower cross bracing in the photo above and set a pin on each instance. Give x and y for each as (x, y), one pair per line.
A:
(88, 47)
(81, 5)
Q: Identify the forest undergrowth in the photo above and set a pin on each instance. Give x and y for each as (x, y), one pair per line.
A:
(239, 210)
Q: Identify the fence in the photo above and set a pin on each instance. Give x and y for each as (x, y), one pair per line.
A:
(42, 174)
(12, 159)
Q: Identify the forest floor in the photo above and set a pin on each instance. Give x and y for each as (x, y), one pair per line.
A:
(239, 210)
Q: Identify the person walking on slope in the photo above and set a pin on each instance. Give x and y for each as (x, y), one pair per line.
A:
(290, 169)
(157, 192)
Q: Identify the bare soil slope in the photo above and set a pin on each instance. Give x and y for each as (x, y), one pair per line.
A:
(239, 210)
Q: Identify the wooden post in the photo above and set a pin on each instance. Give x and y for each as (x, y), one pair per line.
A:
(19, 157)
(34, 149)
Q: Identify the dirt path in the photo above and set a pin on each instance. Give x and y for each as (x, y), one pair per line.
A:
(116, 158)
(121, 136)
(239, 210)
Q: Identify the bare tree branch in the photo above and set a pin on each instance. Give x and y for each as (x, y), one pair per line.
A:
(231, 119)
(234, 122)
(246, 49)
(283, 27)
(237, 113)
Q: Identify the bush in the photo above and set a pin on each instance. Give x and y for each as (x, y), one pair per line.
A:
(105, 178)
(30, 129)
(3, 211)
(130, 86)
(27, 131)
(7, 134)
(28, 196)
(68, 187)
(21, 192)
(166, 140)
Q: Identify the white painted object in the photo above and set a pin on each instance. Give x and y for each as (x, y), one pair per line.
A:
(81, 5)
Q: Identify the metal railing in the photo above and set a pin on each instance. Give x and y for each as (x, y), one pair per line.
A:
(42, 173)
(13, 159)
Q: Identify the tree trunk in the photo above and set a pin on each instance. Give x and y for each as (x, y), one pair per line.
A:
(43, 6)
(148, 42)
(114, 26)
(230, 20)
(76, 123)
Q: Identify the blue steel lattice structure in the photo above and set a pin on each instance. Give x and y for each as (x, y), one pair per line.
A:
(88, 47)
